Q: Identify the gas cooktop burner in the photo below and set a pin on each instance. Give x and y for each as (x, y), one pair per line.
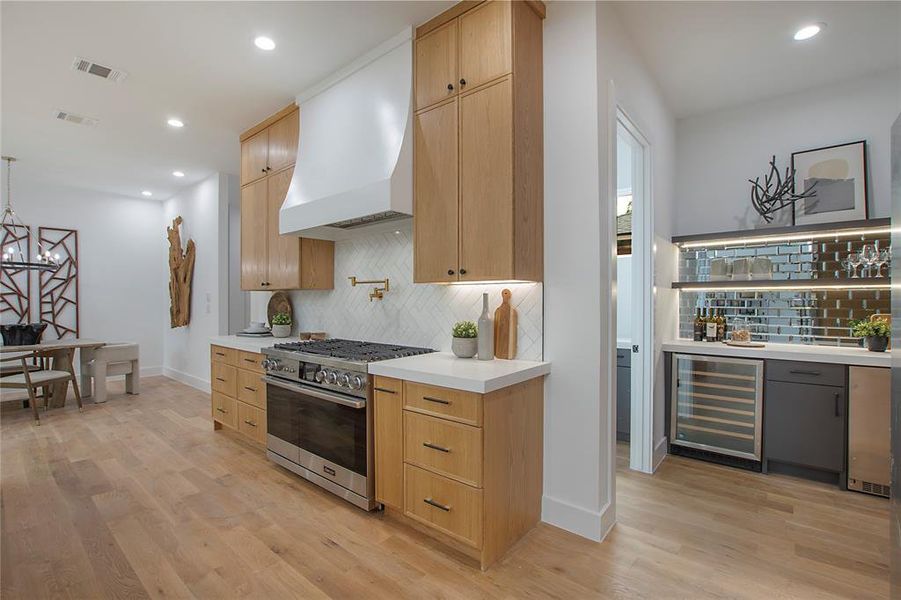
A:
(352, 349)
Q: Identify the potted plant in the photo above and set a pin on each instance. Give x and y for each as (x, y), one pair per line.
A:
(875, 334)
(466, 336)
(281, 325)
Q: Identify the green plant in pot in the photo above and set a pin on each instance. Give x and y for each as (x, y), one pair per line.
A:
(281, 325)
(466, 339)
(874, 333)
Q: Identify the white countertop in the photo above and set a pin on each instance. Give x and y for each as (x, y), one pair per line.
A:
(802, 352)
(243, 343)
(470, 374)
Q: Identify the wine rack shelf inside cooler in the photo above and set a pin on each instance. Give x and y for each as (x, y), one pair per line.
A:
(717, 404)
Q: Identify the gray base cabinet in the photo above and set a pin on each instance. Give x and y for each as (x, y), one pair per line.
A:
(623, 394)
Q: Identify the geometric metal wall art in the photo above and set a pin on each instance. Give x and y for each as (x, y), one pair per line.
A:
(59, 289)
(15, 284)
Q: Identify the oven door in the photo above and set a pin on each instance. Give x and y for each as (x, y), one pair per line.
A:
(322, 431)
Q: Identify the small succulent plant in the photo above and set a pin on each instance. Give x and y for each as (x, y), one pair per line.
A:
(281, 319)
(465, 329)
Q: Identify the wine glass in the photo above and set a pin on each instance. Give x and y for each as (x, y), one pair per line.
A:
(854, 262)
(881, 258)
(868, 257)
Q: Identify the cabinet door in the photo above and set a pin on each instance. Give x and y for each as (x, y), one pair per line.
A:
(436, 65)
(284, 250)
(486, 47)
(317, 264)
(283, 136)
(435, 207)
(486, 183)
(389, 444)
(804, 425)
(623, 403)
(254, 157)
(254, 227)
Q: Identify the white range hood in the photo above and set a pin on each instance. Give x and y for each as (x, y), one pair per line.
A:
(354, 164)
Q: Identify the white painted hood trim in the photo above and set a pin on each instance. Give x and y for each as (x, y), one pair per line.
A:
(354, 159)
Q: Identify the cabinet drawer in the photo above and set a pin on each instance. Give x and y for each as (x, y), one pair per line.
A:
(250, 361)
(444, 447)
(623, 357)
(805, 372)
(252, 422)
(251, 389)
(451, 507)
(224, 409)
(456, 405)
(221, 354)
(388, 385)
(224, 378)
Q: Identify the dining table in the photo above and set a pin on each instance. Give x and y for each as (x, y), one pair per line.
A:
(61, 354)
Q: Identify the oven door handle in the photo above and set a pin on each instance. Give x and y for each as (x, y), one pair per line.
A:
(314, 393)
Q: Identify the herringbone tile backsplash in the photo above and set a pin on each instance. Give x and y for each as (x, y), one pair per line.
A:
(413, 315)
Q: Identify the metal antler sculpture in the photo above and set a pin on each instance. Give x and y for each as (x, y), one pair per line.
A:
(776, 193)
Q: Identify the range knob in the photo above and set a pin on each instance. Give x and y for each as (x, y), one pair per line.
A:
(356, 382)
(344, 380)
(272, 364)
(331, 377)
(319, 376)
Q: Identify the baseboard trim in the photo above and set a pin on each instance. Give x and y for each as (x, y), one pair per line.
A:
(187, 379)
(659, 453)
(575, 519)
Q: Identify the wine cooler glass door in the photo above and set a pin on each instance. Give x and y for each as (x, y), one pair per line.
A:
(716, 404)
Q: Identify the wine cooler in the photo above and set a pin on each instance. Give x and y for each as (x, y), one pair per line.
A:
(717, 405)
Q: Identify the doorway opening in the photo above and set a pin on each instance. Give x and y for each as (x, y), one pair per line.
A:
(635, 299)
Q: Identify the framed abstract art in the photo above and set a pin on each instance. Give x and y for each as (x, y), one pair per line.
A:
(838, 177)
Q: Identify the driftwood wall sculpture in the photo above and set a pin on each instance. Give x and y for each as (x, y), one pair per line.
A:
(776, 192)
(59, 289)
(181, 272)
(15, 284)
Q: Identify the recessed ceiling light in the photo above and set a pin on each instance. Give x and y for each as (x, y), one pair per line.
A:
(147, 193)
(808, 31)
(178, 173)
(264, 43)
(175, 123)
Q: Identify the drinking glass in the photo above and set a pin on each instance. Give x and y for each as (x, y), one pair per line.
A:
(868, 257)
(854, 261)
(881, 259)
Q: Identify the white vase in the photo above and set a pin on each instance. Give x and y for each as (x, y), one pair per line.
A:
(281, 331)
(465, 347)
(486, 332)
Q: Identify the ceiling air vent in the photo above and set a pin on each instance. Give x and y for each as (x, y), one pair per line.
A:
(77, 119)
(87, 66)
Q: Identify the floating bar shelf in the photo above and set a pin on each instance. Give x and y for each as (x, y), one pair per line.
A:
(819, 231)
(844, 283)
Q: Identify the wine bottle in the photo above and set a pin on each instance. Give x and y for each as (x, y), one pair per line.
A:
(720, 326)
(699, 326)
(711, 326)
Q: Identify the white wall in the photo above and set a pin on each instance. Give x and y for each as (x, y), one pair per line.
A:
(121, 256)
(718, 152)
(204, 208)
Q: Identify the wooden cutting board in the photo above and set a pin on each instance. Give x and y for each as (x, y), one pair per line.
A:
(279, 303)
(505, 328)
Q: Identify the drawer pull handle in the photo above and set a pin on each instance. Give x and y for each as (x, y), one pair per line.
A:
(251, 423)
(435, 447)
(220, 354)
(803, 372)
(220, 409)
(249, 389)
(386, 390)
(431, 502)
(252, 361)
(837, 413)
(436, 400)
(219, 379)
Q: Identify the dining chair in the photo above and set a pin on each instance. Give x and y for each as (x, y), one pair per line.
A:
(31, 380)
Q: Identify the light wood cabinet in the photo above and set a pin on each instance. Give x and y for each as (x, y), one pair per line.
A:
(238, 393)
(270, 261)
(435, 201)
(478, 148)
(462, 466)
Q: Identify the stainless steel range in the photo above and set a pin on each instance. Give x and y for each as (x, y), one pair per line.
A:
(319, 414)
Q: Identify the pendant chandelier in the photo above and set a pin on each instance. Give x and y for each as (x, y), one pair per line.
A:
(13, 256)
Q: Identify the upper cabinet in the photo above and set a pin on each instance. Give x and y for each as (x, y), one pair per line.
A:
(270, 261)
(478, 147)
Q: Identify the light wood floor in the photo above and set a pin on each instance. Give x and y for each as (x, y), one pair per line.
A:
(140, 498)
